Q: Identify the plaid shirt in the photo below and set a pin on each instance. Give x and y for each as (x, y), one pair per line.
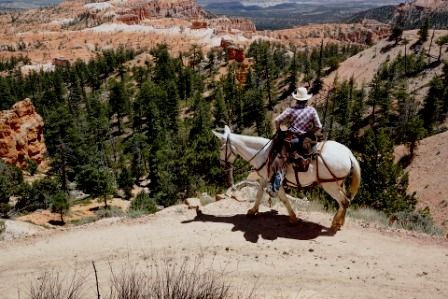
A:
(301, 120)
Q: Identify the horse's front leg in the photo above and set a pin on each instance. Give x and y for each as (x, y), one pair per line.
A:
(254, 210)
(285, 201)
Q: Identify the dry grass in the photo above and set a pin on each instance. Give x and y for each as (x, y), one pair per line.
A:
(166, 279)
(157, 279)
(54, 286)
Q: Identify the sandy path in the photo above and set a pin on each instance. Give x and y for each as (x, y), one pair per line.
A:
(283, 261)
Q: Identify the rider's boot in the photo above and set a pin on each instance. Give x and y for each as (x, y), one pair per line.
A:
(276, 183)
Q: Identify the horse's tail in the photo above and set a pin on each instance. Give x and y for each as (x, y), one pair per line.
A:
(356, 177)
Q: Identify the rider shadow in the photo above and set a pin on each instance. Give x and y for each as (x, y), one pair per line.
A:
(267, 225)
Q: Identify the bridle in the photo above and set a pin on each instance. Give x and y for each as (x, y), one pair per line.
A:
(228, 153)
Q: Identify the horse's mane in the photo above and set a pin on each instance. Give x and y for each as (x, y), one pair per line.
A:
(252, 141)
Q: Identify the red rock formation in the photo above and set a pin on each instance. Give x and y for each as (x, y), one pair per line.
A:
(242, 71)
(235, 53)
(225, 43)
(199, 25)
(61, 61)
(129, 19)
(163, 8)
(229, 24)
(368, 32)
(21, 134)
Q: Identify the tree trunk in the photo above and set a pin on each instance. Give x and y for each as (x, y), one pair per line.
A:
(430, 45)
(405, 60)
(268, 81)
(229, 175)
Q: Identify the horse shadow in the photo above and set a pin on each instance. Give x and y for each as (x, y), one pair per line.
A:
(267, 225)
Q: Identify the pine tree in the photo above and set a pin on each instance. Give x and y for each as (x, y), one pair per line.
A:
(164, 65)
(409, 129)
(293, 72)
(255, 112)
(220, 113)
(203, 146)
(396, 34)
(170, 108)
(384, 185)
(433, 105)
(196, 56)
(441, 41)
(75, 96)
(119, 102)
(137, 146)
(318, 83)
(60, 204)
(5, 95)
(423, 32)
(98, 182)
(149, 100)
(211, 62)
(11, 180)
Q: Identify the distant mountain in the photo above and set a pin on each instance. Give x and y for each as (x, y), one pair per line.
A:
(410, 15)
(26, 4)
(279, 14)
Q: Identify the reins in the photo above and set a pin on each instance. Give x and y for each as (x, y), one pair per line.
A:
(227, 156)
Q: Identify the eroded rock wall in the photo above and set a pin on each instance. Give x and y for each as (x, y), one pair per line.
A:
(21, 135)
(164, 8)
(226, 24)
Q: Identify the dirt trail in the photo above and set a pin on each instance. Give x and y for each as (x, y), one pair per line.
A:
(283, 261)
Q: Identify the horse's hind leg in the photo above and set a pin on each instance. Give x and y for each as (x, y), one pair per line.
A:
(336, 191)
(285, 201)
(254, 210)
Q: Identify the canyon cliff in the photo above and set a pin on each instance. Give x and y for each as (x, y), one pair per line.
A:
(21, 135)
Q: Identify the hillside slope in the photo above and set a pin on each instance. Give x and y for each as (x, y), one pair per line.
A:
(409, 14)
(428, 176)
(281, 261)
(365, 64)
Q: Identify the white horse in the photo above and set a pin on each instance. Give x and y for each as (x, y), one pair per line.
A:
(333, 164)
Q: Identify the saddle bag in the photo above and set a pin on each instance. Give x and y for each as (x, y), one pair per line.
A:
(300, 164)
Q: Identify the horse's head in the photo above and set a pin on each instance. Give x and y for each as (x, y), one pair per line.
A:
(227, 149)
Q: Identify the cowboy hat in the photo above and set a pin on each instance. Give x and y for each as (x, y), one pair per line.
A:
(302, 94)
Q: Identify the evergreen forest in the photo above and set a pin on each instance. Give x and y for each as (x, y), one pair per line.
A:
(118, 119)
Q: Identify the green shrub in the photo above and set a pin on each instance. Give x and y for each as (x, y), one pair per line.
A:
(369, 215)
(38, 195)
(4, 209)
(31, 166)
(11, 180)
(2, 226)
(60, 204)
(98, 182)
(417, 221)
(84, 220)
(144, 204)
(136, 213)
(109, 212)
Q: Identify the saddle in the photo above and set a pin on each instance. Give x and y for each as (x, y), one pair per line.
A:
(297, 150)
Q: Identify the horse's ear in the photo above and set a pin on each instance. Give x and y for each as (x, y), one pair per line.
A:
(219, 135)
(227, 130)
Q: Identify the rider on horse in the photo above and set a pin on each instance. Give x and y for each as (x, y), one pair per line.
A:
(302, 119)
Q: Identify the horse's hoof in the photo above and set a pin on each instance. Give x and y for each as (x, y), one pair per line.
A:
(335, 228)
(198, 212)
(293, 220)
(251, 213)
